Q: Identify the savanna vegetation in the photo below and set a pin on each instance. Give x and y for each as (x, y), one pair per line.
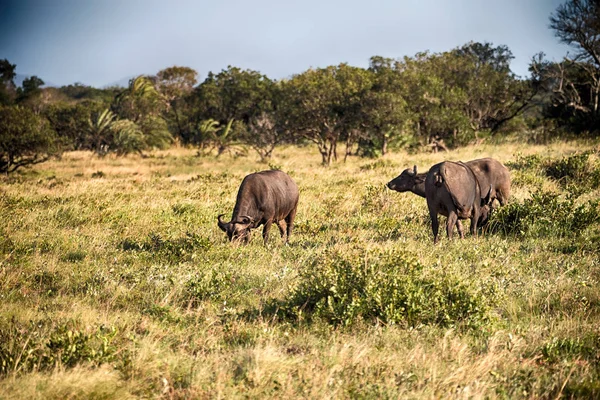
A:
(115, 281)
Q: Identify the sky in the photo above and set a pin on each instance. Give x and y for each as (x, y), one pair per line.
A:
(102, 42)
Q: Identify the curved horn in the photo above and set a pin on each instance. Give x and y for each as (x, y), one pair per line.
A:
(222, 224)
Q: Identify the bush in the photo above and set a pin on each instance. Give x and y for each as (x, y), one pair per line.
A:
(44, 346)
(575, 171)
(545, 214)
(25, 139)
(390, 287)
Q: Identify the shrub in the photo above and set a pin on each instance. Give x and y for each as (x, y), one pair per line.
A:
(43, 345)
(574, 172)
(25, 139)
(174, 249)
(559, 349)
(390, 287)
(545, 214)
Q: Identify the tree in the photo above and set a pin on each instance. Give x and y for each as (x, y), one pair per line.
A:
(176, 84)
(8, 88)
(493, 93)
(234, 98)
(25, 138)
(70, 122)
(577, 79)
(142, 104)
(322, 104)
(385, 111)
(263, 135)
(100, 131)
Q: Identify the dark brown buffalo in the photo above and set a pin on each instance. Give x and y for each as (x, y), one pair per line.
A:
(491, 174)
(451, 189)
(264, 198)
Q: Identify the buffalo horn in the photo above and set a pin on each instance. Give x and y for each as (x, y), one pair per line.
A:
(222, 224)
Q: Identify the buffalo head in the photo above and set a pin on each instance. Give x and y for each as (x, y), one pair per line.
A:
(405, 181)
(238, 230)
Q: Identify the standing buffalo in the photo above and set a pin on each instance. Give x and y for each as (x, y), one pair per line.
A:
(451, 189)
(263, 198)
(491, 174)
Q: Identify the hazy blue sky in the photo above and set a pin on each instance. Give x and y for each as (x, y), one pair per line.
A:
(99, 42)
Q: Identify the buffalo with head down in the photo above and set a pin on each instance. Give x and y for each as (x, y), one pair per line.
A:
(263, 198)
(451, 189)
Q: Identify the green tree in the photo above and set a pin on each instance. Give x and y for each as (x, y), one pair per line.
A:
(176, 84)
(142, 104)
(322, 104)
(235, 98)
(8, 89)
(70, 121)
(574, 83)
(25, 138)
(385, 110)
(100, 131)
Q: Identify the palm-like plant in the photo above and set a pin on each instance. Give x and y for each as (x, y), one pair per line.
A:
(218, 137)
(99, 130)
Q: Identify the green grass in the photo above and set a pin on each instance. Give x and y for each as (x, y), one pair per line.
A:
(115, 282)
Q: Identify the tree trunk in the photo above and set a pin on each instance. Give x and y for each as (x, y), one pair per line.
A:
(384, 146)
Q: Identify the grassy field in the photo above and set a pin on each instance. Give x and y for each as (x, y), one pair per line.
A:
(115, 282)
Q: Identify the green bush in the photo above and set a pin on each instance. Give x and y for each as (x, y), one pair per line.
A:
(25, 139)
(390, 287)
(43, 346)
(575, 172)
(545, 214)
(559, 349)
(172, 248)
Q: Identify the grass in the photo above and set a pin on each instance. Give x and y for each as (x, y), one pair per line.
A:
(115, 282)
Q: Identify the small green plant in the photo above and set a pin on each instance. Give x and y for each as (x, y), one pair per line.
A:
(44, 345)
(559, 349)
(545, 214)
(388, 286)
(212, 284)
(74, 256)
(379, 164)
(575, 172)
(171, 248)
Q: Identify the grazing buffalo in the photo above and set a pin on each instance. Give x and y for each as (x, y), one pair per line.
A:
(451, 189)
(264, 198)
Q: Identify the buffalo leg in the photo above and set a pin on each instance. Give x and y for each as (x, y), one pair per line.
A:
(474, 220)
(290, 223)
(435, 225)
(266, 230)
(282, 225)
(452, 220)
(460, 229)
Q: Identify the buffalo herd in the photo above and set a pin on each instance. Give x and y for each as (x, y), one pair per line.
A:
(456, 190)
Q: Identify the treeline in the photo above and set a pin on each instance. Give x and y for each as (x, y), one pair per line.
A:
(439, 100)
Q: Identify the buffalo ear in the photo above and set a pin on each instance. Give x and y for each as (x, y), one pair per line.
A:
(246, 220)
(415, 169)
